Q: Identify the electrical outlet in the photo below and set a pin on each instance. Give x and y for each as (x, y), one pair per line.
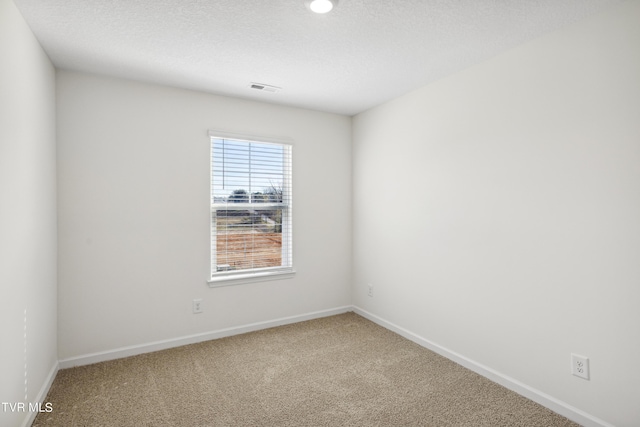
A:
(580, 366)
(370, 291)
(197, 306)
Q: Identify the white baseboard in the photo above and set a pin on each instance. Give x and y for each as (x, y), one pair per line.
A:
(42, 394)
(512, 384)
(134, 350)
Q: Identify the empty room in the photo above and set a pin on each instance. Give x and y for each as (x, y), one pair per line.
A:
(310, 213)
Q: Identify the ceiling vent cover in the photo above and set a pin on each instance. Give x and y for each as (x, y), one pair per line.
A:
(264, 87)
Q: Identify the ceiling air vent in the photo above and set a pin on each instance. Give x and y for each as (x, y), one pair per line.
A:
(264, 88)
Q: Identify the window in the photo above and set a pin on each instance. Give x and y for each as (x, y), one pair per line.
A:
(251, 208)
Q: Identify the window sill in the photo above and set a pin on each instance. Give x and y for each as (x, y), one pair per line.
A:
(241, 279)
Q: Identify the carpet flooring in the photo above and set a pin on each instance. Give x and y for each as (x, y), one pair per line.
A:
(336, 371)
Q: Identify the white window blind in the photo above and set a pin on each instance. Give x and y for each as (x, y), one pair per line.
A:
(251, 208)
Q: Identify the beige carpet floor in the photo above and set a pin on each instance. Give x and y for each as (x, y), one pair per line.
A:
(337, 371)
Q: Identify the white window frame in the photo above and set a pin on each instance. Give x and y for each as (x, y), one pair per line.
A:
(286, 270)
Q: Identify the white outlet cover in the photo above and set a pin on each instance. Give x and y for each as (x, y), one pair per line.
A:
(197, 306)
(580, 366)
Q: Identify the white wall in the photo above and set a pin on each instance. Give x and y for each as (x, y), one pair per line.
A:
(27, 215)
(519, 237)
(133, 164)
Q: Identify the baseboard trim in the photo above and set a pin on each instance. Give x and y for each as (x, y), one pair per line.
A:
(556, 405)
(134, 350)
(550, 402)
(42, 394)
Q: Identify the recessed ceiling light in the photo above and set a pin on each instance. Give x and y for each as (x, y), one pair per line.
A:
(321, 6)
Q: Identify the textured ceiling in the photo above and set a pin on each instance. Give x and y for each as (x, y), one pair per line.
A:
(361, 54)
